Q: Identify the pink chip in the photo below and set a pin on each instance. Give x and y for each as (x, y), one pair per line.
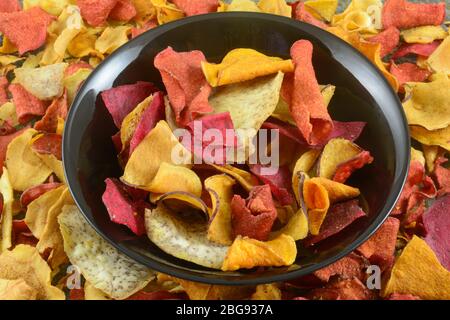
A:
(123, 11)
(408, 72)
(302, 15)
(9, 5)
(147, 26)
(27, 105)
(388, 39)
(403, 14)
(347, 130)
(95, 12)
(192, 8)
(421, 49)
(74, 67)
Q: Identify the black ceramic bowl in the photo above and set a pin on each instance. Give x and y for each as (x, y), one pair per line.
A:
(362, 94)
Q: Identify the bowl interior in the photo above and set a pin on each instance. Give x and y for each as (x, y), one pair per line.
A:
(362, 94)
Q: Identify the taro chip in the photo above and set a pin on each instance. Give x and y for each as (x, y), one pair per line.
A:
(442, 176)
(58, 109)
(25, 262)
(438, 60)
(6, 215)
(345, 169)
(346, 268)
(322, 8)
(247, 253)
(425, 34)
(35, 192)
(27, 30)
(29, 173)
(438, 137)
(124, 10)
(95, 12)
(112, 38)
(121, 100)
(50, 143)
(307, 106)
(280, 182)
(253, 217)
(423, 50)
(185, 83)
(245, 179)
(408, 72)
(418, 272)
(403, 14)
(437, 223)
(122, 209)
(16, 289)
(183, 237)
(302, 14)
(27, 105)
(101, 265)
(338, 218)
(388, 39)
(192, 8)
(10, 6)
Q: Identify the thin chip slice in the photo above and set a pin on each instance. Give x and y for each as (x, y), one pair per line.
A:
(95, 12)
(438, 60)
(297, 226)
(166, 12)
(302, 14)
(279, 182)
(438, 137)
(278, 7)
(124, 10)
(345, 169)
(322, 8)
(388, 39)
(16, 289)
(27, 105)
(73, 82)
(403, 14)
(112, 38)
(58, 109)
(245, 179)
(425, 34)
(408, 72)
(35, 192)
(192, 8)
(422, 50)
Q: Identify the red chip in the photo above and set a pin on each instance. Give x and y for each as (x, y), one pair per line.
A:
(3, 93)
(400, 296)
(437, 225)
(35, 192)
(442, 176)
(421, 49)
(380, 248)
(403, 14)
(9, 6)
(58, 109)
(192, 8)
(148, 121)
(74, 67)
(6, 128)
(345, 170)
(124, 10)
(347, 289)
(286, 130)
(122, 208)
(121, 100)
(96, 12)
(280, 183)
(339, 216)
(301, 14)
(27, 30)
(27, 105)
(4, 141)
(185, 83)
(255, 216)
(408, 72)
(22, 235)
(158, 295)
(347, 130)
(147, 26)
(388, 39)
(49, 143)
(346, 268)
(306, 104)
(76, 294)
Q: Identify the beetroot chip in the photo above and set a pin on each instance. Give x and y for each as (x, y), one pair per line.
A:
(437, 225)
(22, 234)
(286, 130)
(95, 12)
(121, 100)
(339, 216)
(301, 14)
(4, 141)
(3, 93)
(35, 192)
(27, 30)
(347, 289)
(185, 83)
(9, 6)
(347, 130)
(192, 8)
(49, 143)
(147, 26)
(380, 248)
(122, 208)
(149, 119)
(408, 72)
(27, 105)
(388, 39)
(58, 109)
(117, 142)
(421, 49)
(345, 170)
(442, 176)
(76, 294)
(403, 14)
(400, 296)
(74, 67)
(255, 216)
(346, 268)
(124, 10)
(280, 183)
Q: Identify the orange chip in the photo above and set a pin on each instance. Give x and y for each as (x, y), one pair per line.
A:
(95, 12)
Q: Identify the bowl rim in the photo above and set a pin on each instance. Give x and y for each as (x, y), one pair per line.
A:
(399, 173)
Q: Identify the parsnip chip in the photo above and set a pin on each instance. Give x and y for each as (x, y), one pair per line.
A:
(25, 168)
(243, 64)
(24, 262)
(159, 146)
(183, 237)
(438, 137)
(16, 289)
(324, 9)
(278, 7)
(438, 60)
(166, 12)
(6, 216)
(242, 5)
(425, 34)
(99, 262)
(112, 38)
(247, 253)
(245, 179)
(418, 272)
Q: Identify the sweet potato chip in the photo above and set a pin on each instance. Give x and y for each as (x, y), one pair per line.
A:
(425, 34)
(24, 262)
(57, 110)
(192, 8)
(166, 12)
(403, 14)
(242, 5)
(10, 6)
(95, 12)
(27, 105)
(388, 39)
(418, 272)
(27, 30)
(33, 193)
(183, 237)
(245, 179)
(145, 11)
(324, 9)
(280, 183)
(112, 38)
(185, 83)
(438, 60)
(3, 93)
(296, 227)
(302, 14)
(6, 216)
(345, 169)
(438, 137)
(408, 72)
(124, 10)
(26, 169)
(247, 253)
(442, 176)
(101, 265)
(278, 7)
(423, 50)
(182, 179)
(4, 142)
(16, 289)
(73, 82)
(50, 143)
(348, 267)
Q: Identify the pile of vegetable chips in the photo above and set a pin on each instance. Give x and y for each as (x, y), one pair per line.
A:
(224, 208)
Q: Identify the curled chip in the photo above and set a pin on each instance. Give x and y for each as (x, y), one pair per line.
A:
(245, 179)
(403, 14)
(408, 72)
(24, 262)
(58, 109)
(182, 202)
(183, 238)
(431, 138)
(121, 100)
(122, 208)
(438, 60)
(348, 267)
(280, 182)
(302, 14)
(192, 8)
(254, 216)
(27, 105)
(16, 289)
(124, 10)
(322, 8)
(423, 50)
(6, 213)
(243, 64)
(185, 83)
(95, 12)
(112, 38)
(49, 143)
(442, 176)
(101, 265)
(247, 253)
(35, 192)
(27, 30)
(388, 39)
(165, 11)
(278, 7)
(345, 169)
(296, 227)
(425, 34)
(307, 106)
(418, 272)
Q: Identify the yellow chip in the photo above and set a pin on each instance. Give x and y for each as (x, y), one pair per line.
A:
(245, 179)
(322, 9)
(417, 155)
(440, 137)
(8, 113)
(438, 60)
(83, 44)
(6, 220)
(335, 152)
(145, 11)
(7, 46)
(278, 7)
(430, 153)
(112, 38)
(304, 164)
(424, 34)
(92, 293)
(242, 5)
(72, 83)
(296, 227)
(166, 12)
(16, 289)
(267, 292)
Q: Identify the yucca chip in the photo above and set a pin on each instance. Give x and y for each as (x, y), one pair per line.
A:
(16, 289)
(438, 60)
(112, 38)
(247, 253)
(99, 262)
(6, 216)
(181, 179)
(278, 7)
